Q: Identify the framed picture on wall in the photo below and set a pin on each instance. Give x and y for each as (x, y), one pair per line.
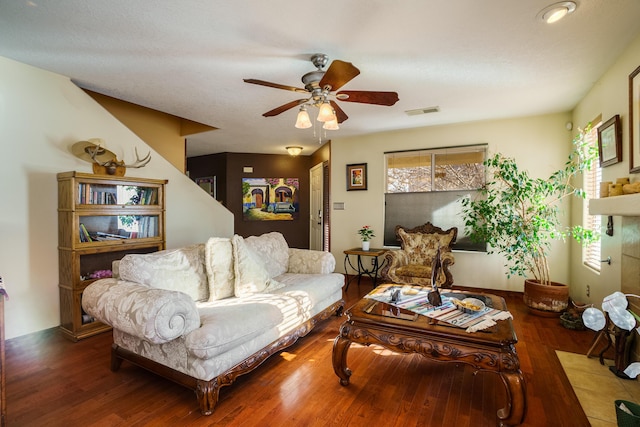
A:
(357, 176)
(634, 121)
(270, 199)
(610, 142)
(208, 184)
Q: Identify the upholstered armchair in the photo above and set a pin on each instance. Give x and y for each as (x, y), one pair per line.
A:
(412, 264)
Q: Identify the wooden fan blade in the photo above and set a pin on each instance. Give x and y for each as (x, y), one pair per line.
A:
(368, 97)
(340, 115)
(285, 107)
(338, 74)
(275, 85)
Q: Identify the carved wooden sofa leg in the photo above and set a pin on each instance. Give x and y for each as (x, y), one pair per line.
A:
(116, 361)
(207, 393)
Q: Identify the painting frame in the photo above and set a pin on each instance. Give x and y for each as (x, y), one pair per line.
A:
(270, 199)
(610, 142)
(356, 176)
(208, 184)
(634, 121)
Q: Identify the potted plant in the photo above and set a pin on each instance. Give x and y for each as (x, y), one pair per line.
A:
(518, 216)
(366, 233)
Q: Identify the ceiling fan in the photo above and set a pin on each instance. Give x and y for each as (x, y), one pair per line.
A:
(319, 87)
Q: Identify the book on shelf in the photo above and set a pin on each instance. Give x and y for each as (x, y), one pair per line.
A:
(96, 195)
(148, 196)
(147, 227)
(84, 234)
(109, 236)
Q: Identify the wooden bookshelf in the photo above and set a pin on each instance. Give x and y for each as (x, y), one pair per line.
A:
(102, 218)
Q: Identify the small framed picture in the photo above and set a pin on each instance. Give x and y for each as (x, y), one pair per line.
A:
(208, 184)
(610, 142)
(357, 176)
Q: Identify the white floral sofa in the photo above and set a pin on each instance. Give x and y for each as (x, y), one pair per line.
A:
(204, 314)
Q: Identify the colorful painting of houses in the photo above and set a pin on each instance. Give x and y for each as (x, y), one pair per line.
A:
(270, 199)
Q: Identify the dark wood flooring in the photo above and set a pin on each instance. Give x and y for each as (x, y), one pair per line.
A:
(54, 382)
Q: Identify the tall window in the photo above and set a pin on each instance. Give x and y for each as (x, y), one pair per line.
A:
(592, 178)
(428, 186)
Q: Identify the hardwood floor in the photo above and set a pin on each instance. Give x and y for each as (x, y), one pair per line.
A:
(54, 382)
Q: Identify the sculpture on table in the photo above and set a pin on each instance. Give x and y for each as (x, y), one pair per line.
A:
(434, 295)
(105, 162)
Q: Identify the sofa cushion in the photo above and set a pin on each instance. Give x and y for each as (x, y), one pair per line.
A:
(251, 276)
(310, 289)
(273, 252)
(414, 270)
(219, 266)
(174, 269)
(232, 322)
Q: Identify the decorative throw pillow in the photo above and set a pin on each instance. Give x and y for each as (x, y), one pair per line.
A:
(273, 252)
(218, 254)
(250, 274)
(174, 269)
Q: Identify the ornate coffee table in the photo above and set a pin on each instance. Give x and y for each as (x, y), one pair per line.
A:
(490, 350)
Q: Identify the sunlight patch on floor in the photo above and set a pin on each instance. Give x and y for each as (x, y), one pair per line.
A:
(597, 388)
(287, 356)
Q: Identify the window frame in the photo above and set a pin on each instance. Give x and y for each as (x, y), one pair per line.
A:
(442, 207)
(591, 253)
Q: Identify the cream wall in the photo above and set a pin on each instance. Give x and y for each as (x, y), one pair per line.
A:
(41, 115)
(608, 97)
(540, 144)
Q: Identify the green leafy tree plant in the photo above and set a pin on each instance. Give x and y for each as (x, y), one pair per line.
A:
(366, 233)
(519, 216)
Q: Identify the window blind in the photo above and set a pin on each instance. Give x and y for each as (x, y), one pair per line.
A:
(592, 178)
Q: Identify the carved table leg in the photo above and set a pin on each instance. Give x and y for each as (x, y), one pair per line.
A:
(340, 349)
(513, 413)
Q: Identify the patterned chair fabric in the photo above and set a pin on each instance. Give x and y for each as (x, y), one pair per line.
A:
(412, 264)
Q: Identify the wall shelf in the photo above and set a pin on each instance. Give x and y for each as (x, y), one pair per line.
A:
(627, 205)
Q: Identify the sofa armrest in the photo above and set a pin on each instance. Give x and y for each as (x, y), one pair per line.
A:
(151, 314)
(396, 258)
(447, 259)
(308, 261)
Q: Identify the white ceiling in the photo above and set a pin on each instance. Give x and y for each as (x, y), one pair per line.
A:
(474, 59)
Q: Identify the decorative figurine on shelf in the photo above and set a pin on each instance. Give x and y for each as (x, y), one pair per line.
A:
(104, 161)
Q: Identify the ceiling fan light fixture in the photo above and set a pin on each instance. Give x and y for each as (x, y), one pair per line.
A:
(326, 113)
(294, 150)
(331, 125)
(557, 11)
(303, 121)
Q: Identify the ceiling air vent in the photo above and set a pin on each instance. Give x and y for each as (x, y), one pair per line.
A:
(425, 110)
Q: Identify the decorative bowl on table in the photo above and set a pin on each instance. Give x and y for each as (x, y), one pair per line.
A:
(469, 305)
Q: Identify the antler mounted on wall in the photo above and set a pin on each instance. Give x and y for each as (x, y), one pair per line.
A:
(104, 161)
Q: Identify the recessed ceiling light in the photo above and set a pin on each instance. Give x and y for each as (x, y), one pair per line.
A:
(557, 11)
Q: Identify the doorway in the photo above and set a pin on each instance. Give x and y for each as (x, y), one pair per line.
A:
(319, 217)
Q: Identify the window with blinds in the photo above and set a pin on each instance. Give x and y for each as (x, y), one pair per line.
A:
(592, 178)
